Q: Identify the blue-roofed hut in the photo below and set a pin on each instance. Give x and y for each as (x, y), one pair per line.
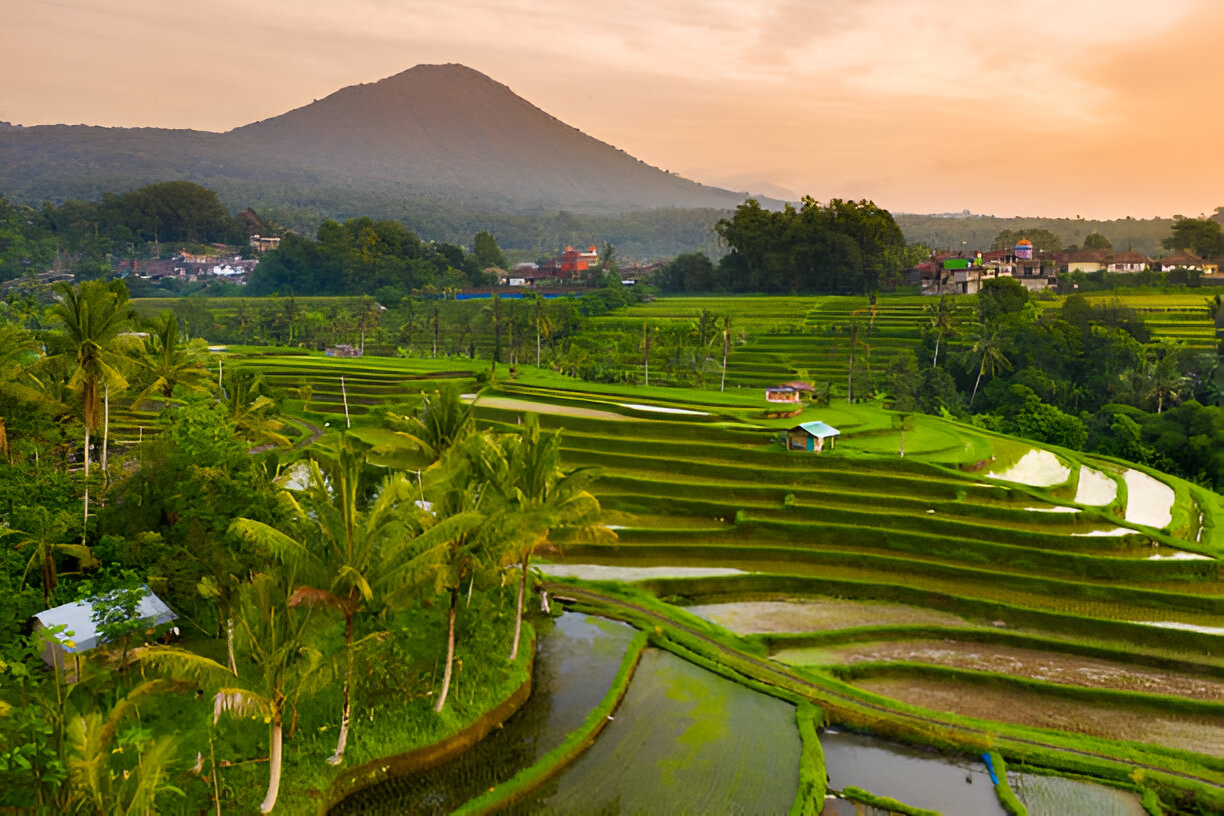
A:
(811, 436)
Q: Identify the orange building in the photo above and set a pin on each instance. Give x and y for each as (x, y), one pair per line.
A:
(574, 262)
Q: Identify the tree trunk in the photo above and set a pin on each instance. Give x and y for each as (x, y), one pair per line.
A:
(722, 386)
(346, 706)
(450, 651)
(975, 386)
(518, 611)
(85, 518)
(274, 766)
(229, 644)
(344, 395)
(105, 436)
(935, 362)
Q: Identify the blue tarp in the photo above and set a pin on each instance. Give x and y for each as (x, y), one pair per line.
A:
(81, 633)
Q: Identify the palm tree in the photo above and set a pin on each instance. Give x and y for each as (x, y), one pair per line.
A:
(252, 411)
(95, 318)
(1165, 378)
(167, 361)
(17, 351)
(43, 534)
(988, 348)
(852, 329)
(342, 556)
(542, 498)
(271, 637)
(939, 317)
(456, 537)
(443, 421)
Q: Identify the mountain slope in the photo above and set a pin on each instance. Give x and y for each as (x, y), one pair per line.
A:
(433, 131)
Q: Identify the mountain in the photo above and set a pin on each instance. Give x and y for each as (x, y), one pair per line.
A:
(434, 135)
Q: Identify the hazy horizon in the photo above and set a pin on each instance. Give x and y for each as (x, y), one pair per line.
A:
(1051, 109)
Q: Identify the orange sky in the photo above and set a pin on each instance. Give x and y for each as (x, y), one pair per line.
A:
(1099, 108)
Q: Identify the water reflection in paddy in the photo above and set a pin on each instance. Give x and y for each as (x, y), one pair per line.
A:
(1055, 796)
(954, 786)
(683, 740)
(577, 658)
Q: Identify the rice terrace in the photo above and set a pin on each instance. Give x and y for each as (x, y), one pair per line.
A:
(925, 616)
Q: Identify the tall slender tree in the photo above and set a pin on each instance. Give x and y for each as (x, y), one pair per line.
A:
(988, 349)
(543, 501)
(95, 318)
(272, 638)
(341, 556)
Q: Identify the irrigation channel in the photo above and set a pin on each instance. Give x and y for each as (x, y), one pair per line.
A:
(685, 740)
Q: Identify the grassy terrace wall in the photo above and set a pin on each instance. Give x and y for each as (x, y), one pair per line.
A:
(991, 635)
(738, 586)
(430, 756)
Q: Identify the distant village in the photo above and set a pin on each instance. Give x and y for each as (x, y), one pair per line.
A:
(963, 273)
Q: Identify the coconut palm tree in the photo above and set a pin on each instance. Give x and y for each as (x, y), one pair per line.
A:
(43, 536)
(167, 361)
(939, 320)
(542, 499)
(251, 409)
(342, 557)
(17, 352)
(271, 638)
(443, 421)
(95, 317)
(988, 349)
(457, 536)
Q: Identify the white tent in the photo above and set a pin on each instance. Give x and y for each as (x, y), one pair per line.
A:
(80, 633)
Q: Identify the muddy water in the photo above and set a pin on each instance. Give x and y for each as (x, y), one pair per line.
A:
(1055, 796)
(1095, 487)
(1052, 667)
(816, 614)
(952, 785)
(683, 741)
(1148, 501)
(577, 658)
(1199, 733)
(1039, 468)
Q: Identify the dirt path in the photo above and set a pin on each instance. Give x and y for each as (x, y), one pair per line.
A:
(509, 404)
(767, 671)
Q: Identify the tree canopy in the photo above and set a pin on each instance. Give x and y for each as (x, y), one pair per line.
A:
(842, 247)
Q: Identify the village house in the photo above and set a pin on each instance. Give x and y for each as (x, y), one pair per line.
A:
(791, 392)
(1128, 263)
(811, 436)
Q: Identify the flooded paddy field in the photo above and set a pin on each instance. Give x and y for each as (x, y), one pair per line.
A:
(1201, 734)
(1056, 796)
(577, 658)
(682, 741)
(952, 785)
(1052, 667)
(814, 615)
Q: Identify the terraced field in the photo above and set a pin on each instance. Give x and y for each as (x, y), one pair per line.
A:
(1037, 564)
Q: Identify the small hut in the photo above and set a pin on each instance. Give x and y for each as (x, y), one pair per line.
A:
(788, 392)
(80, 633)
(811, 436)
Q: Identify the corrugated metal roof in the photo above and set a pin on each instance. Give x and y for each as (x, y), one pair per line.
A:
(82, 632)
(818, 429)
